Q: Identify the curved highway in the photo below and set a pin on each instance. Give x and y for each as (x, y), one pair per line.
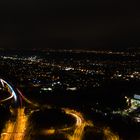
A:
(10, 89)
(110, 135)
(28, 101)
(16, 130)
(80, 124)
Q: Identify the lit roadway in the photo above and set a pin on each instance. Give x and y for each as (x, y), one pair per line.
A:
(15, 130)
(10, 90)
(110, 135)
(80, 124)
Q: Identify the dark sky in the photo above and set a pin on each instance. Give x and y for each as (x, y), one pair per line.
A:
(69, 24)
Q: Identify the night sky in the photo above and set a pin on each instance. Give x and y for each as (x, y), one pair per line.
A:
(69, 24)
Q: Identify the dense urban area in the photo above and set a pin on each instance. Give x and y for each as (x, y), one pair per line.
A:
(70, 94)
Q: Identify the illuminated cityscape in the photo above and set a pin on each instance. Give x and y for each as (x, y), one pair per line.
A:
(69, 70)
(69, 95)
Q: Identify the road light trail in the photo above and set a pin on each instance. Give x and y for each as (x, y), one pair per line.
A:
(80, 124)
(15, 130)
(4, 100)
(110, 135)
(28, 101)
(7, 132)
(11, 91)
(21, 123)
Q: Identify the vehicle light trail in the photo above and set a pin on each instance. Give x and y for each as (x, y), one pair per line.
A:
(80, 124)
(15, 130)
(12, 92)
(10, 97)
(110, 135)
(28, 101)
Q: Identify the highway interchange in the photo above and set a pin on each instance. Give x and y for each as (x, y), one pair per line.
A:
(16, 130)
